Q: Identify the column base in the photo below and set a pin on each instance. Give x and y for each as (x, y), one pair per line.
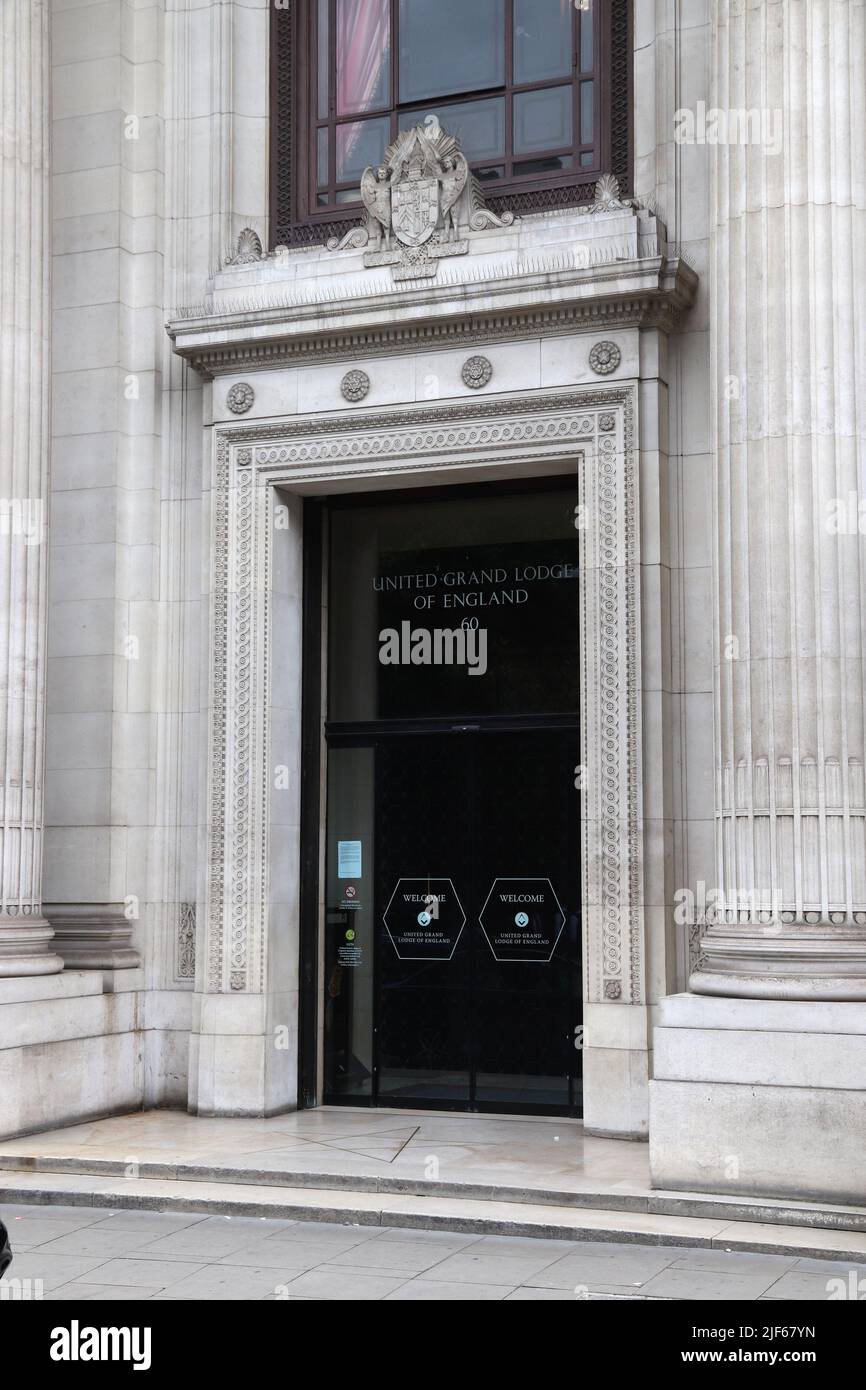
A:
(243, 1058)
(759, 1098)
(616, 1070)
(25, 948)
(93, 936)
(787, 960)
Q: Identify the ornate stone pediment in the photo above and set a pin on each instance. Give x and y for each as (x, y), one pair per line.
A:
(418, 203)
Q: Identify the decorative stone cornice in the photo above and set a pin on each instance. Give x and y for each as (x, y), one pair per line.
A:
(603, 266)
(651, 291)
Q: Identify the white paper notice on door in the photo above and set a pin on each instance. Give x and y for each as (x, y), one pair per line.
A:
(348, 859)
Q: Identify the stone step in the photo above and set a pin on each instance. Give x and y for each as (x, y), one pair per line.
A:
(416, 1211)
(817, 1215)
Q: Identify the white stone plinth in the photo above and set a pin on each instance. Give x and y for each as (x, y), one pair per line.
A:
(73, 1049)
(243, 1054)
(760, 1098)
(615, 1069)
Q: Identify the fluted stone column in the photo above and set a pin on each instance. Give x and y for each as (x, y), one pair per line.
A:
(789, 324)
(25, 935)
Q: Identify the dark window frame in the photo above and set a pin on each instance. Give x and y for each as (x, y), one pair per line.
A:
(294, 222)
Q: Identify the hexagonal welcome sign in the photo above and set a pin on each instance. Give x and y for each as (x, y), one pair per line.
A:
(419, 927)
(522, 919)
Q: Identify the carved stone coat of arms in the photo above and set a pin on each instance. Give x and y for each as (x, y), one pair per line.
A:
(415, 208)
(417, 203)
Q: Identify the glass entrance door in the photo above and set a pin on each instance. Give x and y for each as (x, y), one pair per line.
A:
(452, 953)
(488, 1016)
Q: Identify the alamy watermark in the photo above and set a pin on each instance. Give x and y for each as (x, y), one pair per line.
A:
(438, 646)
(852, 1288)
(693, 906)
(13, 1290)
(77, 1343)
(737, 125)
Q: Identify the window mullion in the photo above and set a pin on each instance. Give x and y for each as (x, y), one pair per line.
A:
(395, 61)
(509, 88)
(332, 100)
(576, 70)
(332, 60)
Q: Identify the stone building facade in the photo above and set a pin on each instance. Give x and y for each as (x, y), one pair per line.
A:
(204, 334)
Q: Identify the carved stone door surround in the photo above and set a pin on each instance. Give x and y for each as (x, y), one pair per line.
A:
(255, 645)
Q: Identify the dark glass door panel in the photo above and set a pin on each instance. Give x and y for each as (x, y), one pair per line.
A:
(465, 923)
(350, 914)
(527, 975)
(424, 833)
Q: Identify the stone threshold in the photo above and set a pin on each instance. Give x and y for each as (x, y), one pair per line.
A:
(315, 1184)
(411, 1211)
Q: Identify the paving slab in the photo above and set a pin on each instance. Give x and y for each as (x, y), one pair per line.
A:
(412, 1257)
(709, 1284)
(439, 1291)
(833, 1285)
(467, 1267)
(333, 1282)
(276, 1254)
(50, 1271)
(98, 1293)
(629, 1271)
